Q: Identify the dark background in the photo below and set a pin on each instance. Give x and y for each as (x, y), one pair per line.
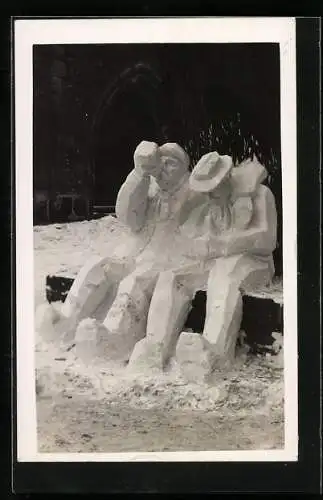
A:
(94, 103)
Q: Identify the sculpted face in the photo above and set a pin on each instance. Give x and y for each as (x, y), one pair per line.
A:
(171, 172)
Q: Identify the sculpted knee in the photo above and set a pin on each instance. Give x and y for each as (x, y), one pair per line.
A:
(170, 281)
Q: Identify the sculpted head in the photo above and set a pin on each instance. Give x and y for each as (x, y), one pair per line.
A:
(174, 166)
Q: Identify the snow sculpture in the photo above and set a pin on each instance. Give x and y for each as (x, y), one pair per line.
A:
(238, 226)
(213, 230)
(118, 288)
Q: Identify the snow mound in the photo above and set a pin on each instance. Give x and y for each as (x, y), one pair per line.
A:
(252, 384)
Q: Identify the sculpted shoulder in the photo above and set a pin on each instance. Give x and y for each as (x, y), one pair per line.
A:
(264, 193)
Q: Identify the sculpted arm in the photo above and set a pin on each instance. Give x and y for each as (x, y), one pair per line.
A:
(259, 238)
(132, 199)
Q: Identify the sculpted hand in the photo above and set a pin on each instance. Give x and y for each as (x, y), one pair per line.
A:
(198, 248)
(147, 159)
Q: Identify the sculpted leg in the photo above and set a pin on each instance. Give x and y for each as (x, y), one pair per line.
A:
(224, 300)
(126, 320)
(93, 284)
(167, 314)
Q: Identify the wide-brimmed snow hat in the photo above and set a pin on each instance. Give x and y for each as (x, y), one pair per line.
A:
(210, 171)
(175, 151)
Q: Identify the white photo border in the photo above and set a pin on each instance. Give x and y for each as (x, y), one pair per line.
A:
(28, 32)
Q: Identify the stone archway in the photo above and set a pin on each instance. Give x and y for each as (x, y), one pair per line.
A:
(127, 114)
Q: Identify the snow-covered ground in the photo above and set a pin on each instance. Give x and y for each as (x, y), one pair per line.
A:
(105, 408)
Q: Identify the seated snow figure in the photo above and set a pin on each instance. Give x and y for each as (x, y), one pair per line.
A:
(235, 232)
(226, 235)
(116, 290)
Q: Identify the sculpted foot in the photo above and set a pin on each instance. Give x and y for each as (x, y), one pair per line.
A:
(147, 357)
(198, 358)
(53, 326)
(94, 341)
(195, 357)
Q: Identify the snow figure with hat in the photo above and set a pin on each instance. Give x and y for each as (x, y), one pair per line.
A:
(234, 232)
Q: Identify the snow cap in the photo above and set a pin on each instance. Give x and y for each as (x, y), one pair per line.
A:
(210, 171)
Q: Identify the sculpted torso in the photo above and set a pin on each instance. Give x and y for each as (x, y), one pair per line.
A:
(239, 216)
